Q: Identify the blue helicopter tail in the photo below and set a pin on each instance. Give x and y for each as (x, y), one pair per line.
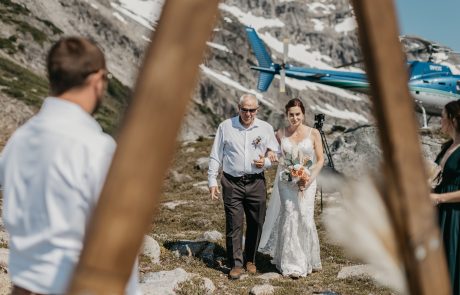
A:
(266, 66)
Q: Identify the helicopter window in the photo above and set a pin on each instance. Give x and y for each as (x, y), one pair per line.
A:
(425, 81)
(441, 83)
(458, 86)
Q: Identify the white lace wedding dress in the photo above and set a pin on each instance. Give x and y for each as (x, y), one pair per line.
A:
(289, 234)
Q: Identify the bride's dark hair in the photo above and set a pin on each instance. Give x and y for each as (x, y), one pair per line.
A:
(295, 102)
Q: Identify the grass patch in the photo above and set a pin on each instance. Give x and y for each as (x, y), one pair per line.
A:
(38, 35)
(14, 8)
(22, 84)
(195, 286)
(119, 91)
(19, 16)
(8, 44)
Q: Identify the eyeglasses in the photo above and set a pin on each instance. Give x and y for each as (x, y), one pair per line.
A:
(244, 110)
(108, 76)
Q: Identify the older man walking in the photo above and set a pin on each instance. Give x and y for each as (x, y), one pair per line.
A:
(240, 147)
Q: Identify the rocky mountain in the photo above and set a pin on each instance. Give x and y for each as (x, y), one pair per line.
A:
(321, 33)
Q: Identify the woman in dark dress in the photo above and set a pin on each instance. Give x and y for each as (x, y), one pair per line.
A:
(447, 194)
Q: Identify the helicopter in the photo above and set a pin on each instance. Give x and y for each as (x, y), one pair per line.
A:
(432, 85)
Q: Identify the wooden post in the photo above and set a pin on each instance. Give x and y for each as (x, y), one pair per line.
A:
(146, 146)
(405, 182)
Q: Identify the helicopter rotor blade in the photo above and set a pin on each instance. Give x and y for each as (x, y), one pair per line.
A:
(350, 64)
(283, 66)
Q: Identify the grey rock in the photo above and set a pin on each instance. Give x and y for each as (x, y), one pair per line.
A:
(4, 256)
(209, 286)
(212, 236)
(265, 289)
(180, 178)
(163, 282)
(190, 150)
(4, 237)
(202, 163)
(152, 249)
(269, 276)
(173, 204)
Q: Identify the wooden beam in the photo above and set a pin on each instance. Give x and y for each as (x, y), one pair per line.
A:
(146, 146)
(405, 184)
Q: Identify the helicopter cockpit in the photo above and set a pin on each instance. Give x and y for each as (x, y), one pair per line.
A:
(458, 87)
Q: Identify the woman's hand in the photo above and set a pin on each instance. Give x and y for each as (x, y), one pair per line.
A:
(436, 199)
(304, 182)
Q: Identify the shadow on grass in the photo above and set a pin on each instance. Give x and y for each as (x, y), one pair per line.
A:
(214, 255)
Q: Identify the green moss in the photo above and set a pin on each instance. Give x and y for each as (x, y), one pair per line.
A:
(109, 116)
(22, 84)
(208, 112)
(50, 25)
(14, 7)
(38, 35)
(118, 91)
(8, 45)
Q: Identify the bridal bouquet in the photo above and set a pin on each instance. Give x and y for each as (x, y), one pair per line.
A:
(296, 168)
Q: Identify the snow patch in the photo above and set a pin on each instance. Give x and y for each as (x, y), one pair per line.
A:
(317, 7)
(227, 74)
(226, 80)
(119, 17)
(347, 25)
(146, 13)
(219, 47)
(228, 20)
(341, 114)
(298, 52)
(319, 25)
(248, 19)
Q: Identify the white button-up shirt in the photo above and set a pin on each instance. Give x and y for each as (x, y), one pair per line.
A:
(52, 170)
(235, 148)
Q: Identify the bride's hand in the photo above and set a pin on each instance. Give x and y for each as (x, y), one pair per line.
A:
(272, 156)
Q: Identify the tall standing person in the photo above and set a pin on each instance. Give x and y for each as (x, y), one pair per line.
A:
(52, 170)
(240, 147)
(289, 234)
(447, 193)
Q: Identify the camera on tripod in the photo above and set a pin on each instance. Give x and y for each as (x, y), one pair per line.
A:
(319, 120)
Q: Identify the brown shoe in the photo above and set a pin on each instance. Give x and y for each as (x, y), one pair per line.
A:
(235, 273)
(251, 268)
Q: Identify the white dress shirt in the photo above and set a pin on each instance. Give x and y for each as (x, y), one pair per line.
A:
(236, 147)
(52, 170)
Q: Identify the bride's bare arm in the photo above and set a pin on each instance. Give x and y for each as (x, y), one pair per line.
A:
(318, 146)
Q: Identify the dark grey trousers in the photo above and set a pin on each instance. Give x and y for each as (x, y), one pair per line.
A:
(243, 197)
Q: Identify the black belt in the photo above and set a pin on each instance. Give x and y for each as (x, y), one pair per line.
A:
(245, 177)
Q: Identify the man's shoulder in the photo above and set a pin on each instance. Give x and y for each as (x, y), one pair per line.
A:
(264, 124)
(228, 122)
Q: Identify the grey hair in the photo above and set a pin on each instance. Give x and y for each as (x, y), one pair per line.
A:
(248, 95)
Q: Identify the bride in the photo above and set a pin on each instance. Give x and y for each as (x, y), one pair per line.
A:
(289, 232)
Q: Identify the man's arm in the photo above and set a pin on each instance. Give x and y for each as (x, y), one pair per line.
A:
(272, 148)
(215, 161)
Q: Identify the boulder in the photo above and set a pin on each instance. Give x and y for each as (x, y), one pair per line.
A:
(152, 249)
(202, 163)
(163, 282)
(265, 289)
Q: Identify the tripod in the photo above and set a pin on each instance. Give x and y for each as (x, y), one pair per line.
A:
(319, 126)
